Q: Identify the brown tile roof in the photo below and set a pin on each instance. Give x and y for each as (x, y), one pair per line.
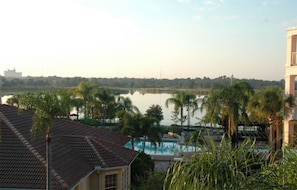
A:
(76, 150)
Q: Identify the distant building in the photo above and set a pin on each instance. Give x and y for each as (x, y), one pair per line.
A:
(12, 74)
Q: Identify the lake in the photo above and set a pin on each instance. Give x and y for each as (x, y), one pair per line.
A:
(144, 101)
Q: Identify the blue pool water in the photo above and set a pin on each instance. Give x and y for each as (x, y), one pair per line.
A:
(165, 148)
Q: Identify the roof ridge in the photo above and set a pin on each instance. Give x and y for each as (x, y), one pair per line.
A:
(113, 144)
(31, 149)
(95, 150)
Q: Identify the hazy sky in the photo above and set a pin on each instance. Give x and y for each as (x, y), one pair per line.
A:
(146, 38)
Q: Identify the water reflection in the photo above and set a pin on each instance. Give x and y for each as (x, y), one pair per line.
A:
(144, 101)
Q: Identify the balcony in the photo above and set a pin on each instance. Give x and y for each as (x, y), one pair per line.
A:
(294, 58)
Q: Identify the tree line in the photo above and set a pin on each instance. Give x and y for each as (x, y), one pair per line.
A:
(37, 83)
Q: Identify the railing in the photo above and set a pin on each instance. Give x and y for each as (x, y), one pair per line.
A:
(294, 58)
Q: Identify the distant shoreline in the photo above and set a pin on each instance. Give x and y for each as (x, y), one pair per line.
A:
(198, 86)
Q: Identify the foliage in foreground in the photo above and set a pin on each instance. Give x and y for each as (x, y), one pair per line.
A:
(141, 168)
(151, 182)
(280, 174)
(143, 175)
(224, 167)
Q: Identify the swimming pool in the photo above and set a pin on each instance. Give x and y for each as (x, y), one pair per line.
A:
(165, 148)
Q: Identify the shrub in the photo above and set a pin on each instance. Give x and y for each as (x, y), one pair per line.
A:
(216, 167)
(141, 169)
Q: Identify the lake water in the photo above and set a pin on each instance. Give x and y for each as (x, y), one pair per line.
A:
(144, 101)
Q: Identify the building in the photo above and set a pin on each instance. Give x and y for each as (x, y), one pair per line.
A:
(83, 157)
(290, 75)
(12, 74)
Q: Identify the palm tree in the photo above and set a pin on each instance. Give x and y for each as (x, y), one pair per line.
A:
(227, 105)
(107, 104)
(66, 102)
(131, 126)
(191, 102)
(125, 105)
(180, 100)
(151, 130)
(269, 105)
(14, 100)
(77, 104)
(46, 106)
(26, 101)
(86, 91)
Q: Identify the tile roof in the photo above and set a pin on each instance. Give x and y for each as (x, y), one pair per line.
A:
(77, 149)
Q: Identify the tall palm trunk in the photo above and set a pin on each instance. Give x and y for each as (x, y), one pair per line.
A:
(279, 133)
(272, 133)
(132, 143)
(48, 161)
(188, 116)
(181, 119)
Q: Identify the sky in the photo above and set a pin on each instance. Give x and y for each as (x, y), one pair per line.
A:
(146, 38)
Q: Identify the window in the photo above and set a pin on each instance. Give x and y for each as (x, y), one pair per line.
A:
(111, 182)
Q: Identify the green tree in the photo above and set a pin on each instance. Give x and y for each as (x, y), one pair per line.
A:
(86, 91)
(131, 126)
(46, 106)
(77, 104)
(66, 102)
(227, 105)
(269, 105)
(156, 112)
(191, 102)
(14, 100)
(141, 169)
(125, 105)
(26, 100)
(107, 104)
(151, 130)
(180, 100)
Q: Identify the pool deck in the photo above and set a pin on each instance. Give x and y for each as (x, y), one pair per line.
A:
(162, 162)
(163, 157)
